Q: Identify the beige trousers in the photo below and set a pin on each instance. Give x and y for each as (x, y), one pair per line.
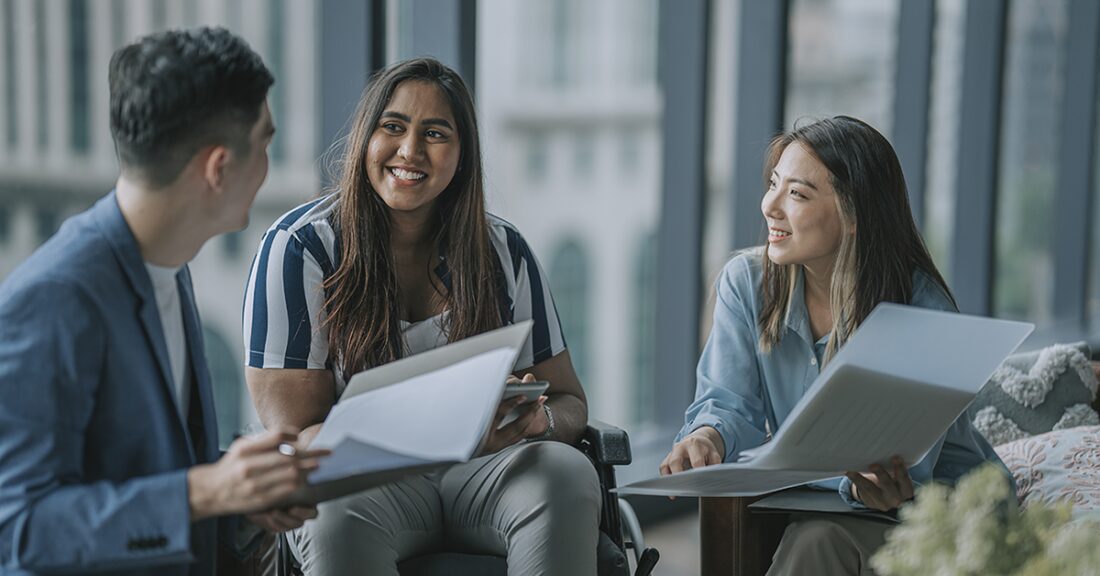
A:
(828, 544)
(538, 504)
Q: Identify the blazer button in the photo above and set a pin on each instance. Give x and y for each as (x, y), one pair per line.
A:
(813, 361)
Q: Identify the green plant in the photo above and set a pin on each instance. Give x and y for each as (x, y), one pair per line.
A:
(977, 528)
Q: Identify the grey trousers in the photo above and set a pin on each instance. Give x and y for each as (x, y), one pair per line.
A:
(828, 544)
(538, 504)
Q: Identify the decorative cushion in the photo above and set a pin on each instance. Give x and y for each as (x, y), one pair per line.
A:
(1059, 466)
(1036, 392)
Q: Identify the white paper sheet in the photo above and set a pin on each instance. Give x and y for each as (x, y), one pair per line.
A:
(438, 416)
(351, 457)
(894, 388)
(723, 480)
(513, 337)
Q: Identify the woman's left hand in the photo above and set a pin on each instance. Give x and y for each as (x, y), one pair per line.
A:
(881, 488)
(539, 423)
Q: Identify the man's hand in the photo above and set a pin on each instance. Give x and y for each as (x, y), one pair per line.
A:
(880, 488)
(283, 519)
(254, 475)
(703, 447)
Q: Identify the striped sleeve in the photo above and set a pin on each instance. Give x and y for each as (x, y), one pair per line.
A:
(531, 299)
(284, 303)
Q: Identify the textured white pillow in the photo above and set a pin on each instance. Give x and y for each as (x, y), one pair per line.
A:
(1059, 466)
(1036, 392)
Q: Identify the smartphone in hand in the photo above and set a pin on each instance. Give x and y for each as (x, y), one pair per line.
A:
(530, 392)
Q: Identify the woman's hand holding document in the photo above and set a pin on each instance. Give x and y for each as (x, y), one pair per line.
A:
(414, 415)
(888, 396)
(883, 488)
(522, 401)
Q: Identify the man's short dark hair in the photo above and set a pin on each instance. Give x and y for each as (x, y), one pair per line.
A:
(175, 92)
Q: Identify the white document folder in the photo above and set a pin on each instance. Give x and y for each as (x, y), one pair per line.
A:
(896, 386)
(414, 415)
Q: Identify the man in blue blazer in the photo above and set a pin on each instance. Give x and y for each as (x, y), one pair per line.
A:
(108, 448)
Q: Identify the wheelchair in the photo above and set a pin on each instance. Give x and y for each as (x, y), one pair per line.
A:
(606, 447)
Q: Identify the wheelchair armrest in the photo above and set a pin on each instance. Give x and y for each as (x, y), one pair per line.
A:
(606, 444)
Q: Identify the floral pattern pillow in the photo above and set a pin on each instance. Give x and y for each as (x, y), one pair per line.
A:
(1059, 466)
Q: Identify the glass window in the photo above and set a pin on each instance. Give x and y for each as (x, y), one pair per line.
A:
(642, 52)
(5, 224)
(569, 281)
(943, 132)
(1094, 284)
(550, 28)
(78, 81)
(42, 97)
(842, 60)
(645, 327)
(720, 149)
(231, 244)
(228, 385)
(234, 14)
(275, 60)
(118, 22)
(630, 153)
(584, 154)
(559, 27)
(398, 30)
(1035, 57)
(11, 110)
(544, 67)
(46, 222)
(190, 13)
(160, 14)
(538, 157)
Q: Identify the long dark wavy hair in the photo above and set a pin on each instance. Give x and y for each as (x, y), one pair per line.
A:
(362, 304)
(876, 264)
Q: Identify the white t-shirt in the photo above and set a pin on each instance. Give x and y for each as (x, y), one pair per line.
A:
(171, 321)
(424, 335)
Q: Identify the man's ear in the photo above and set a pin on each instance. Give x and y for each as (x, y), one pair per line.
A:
(214, 166)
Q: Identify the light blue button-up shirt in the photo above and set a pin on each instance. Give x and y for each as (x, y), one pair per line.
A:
(740, 388)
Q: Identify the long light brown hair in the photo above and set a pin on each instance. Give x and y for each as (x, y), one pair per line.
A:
(877, 262)
(362, 303)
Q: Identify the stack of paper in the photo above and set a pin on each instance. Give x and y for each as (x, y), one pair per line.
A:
(894, 388)
(414, 415)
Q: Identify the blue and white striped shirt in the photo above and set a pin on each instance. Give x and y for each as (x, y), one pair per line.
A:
(284, 300)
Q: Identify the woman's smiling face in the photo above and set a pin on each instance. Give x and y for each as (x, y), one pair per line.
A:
(801, 210)
(414, 150)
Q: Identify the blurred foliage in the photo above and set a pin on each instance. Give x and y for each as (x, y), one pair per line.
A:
(978, 528)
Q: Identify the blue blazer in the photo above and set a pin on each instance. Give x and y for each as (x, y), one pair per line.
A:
(93, 453)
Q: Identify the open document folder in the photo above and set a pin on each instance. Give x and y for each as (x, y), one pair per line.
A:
(897, 385)
(414, 415)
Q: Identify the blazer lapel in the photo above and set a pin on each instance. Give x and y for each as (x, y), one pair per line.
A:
(118, 234)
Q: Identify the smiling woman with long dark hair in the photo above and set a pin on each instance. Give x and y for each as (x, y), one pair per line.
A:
(841, 240)
(402, 258)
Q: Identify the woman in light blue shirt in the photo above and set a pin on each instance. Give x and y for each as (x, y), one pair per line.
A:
(841, 240)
